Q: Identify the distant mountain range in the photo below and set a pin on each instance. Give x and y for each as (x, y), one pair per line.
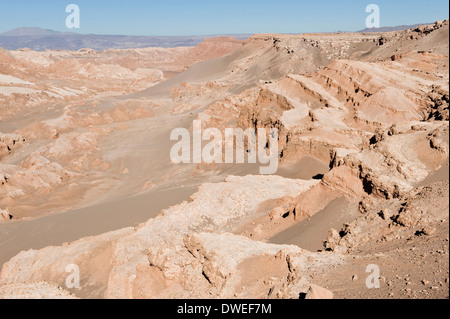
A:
(389, 29)
(41, 39)
(24, 32)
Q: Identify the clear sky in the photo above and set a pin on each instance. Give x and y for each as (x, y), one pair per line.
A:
(202, 17)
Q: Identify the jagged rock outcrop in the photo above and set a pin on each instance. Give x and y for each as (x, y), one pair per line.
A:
(147, 262)
(5, 216)
(8, 142)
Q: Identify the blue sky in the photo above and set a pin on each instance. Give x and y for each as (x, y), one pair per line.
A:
(201, 17)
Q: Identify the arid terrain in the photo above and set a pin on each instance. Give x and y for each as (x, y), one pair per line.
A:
(363, 180)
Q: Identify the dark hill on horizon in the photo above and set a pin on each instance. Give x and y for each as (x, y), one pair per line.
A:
(389, 29)
(42, 39)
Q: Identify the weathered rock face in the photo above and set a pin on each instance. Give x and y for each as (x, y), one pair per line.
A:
(438, 100)
(5, 216)
(357, 114)
(316, 292)
(87, 73)
(419, 213)
(8, 142)
(166, 256)
(53, 114)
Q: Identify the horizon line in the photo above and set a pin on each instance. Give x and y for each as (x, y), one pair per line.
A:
(201, 35)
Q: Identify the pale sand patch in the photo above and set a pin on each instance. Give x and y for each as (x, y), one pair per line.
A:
(306, 168)
(9, 90)
(310, 233)
(8, 79)
(441, 174)
(56, 229)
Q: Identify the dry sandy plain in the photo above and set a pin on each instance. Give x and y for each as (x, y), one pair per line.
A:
(86, 177)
